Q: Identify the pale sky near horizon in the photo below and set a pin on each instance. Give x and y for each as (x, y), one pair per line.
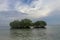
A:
(48, 10)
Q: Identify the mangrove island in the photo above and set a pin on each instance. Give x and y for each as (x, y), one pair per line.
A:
(27, 23)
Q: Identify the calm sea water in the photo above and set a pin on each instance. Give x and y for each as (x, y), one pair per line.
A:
(51, 33)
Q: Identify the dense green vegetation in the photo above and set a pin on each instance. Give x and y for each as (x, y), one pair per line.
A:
(27, 23)
(40, 24)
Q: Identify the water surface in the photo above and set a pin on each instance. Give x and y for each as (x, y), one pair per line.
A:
(51, 33)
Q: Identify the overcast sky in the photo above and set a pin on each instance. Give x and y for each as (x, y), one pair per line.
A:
(48, 10)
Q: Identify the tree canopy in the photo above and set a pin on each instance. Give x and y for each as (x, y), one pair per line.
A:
(26, 23)
(15, 24)
(40, 24)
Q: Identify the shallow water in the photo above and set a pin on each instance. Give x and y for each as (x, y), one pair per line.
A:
(51, 33)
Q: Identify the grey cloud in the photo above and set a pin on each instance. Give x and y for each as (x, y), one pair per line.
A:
(53, 18)
(11, 14)
(8, 16)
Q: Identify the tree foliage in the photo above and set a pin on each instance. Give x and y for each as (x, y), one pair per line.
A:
(40, 24)
(26, 23)
(15, 24)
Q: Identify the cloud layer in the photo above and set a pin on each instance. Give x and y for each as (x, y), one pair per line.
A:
(33, 9)
(36, 9)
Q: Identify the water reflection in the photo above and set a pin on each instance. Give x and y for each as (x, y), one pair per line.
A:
(28, 34)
